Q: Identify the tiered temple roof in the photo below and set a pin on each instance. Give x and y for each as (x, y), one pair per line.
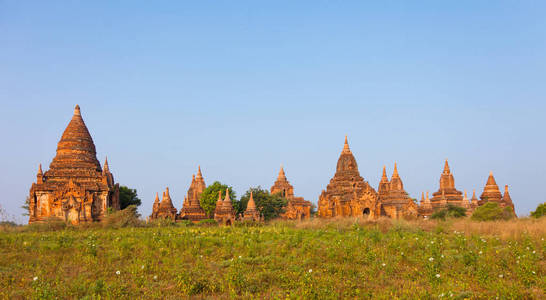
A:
(394, 200)
(224, 213)
(347, 194)
(191, 208)
(166, 209)
(75, 188)
(251, 212)
(297, 207)
(447, 194)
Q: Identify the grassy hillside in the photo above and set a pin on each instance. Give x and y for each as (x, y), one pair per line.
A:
(310, 260)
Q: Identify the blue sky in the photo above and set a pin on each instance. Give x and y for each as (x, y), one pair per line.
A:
(241, 87)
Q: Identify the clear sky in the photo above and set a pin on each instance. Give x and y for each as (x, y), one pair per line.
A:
(241, 87)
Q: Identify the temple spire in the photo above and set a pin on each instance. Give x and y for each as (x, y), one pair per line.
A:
(227, 200)
(395, 172)
(106, 168)
(77, 110)
(40, 169)
(446, 168)
(384, 176)
(199, 174)
(251, 205)
(422, 197)
(156, 198)
(346, 148)
(281, 176)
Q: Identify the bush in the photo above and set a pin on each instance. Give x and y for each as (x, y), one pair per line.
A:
(208, 222)
(540, 211)
(49, 224)
(451, 211)
(123, 218)
(491, 211)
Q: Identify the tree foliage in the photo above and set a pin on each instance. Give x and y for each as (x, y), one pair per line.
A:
(128, 197)
(491, 211)
(26, 207)
(210, 196)
(451, 211)
(540, 211)
(269, 206)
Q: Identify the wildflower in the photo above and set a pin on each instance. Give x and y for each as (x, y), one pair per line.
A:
(35, 278)
(437, 275)
(118, 272)
(481, 252)
(142, 267)
(402, 253)
(432, 242)
(239, 256)
(533, 272)
(383, 264)
(534, 251)
(441, 295)
(501, 276)
(431, 259)
(442, 256)
(483, 240)
(310, 270)
(155, 277)
(527, 248)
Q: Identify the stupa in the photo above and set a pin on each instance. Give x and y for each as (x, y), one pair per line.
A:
(224, 213)
(75, 189)
(297, 208)
(191, 208)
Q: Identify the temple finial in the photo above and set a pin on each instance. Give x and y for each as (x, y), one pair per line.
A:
(395, 172)
(446, 167)
(40, 169)
(346, 148)
(384, 176)
(77, 110)
(156, 197)
(199, 174)
(106, 168)
(281, 176)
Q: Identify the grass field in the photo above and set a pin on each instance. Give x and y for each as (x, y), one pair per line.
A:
(310, 260)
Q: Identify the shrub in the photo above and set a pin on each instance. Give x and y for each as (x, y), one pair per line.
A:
(49, 224)
(208, 222)
(540, 211)
(123, 218)
(491, 211)
(451, 211)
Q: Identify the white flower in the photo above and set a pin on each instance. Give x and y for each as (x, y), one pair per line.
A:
(483, 240)
(533, 272)
(442, 256)
(35, 278)
(431, 259)
(432, 242)
(501, 276)
(310, 270)
(383, 264)
(118, 272)
(155, 277)
(142, 267)
(437, 275)
(534, 252)
(441, 295)
(527, 248)
(481, 252)
(239, 256)
(402, 253)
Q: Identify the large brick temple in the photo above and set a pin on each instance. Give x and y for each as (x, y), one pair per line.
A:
(76, 188)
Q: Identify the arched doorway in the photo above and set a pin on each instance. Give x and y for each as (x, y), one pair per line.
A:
(366, 212)
(228, 223)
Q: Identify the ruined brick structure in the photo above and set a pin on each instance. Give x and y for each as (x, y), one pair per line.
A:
(191, 208)
(394, 200)
(447, 193)
(75, 189)
(251, 213)
(297, 207)
(164, 209)
(491, 193)
(224, 213)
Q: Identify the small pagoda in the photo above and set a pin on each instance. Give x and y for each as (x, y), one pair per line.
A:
(224, 213)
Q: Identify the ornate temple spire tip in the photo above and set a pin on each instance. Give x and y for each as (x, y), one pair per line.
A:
(77, 110)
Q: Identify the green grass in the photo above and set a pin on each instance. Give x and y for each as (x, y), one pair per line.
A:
(280, 260)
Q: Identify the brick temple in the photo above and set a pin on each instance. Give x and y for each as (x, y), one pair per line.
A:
(76, 188)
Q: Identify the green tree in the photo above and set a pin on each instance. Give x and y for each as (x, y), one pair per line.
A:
(269, 206)
(451, 211)
(26, 207)
(491, 211)
(540, 211)
(128, 197)
(210, 196)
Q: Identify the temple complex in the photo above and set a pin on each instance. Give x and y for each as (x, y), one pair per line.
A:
(447, 194)
(297, 207)
(395, 201)
(191, 208)
(224, 213)
(75, 189)
(347, 194)
(251, 213)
